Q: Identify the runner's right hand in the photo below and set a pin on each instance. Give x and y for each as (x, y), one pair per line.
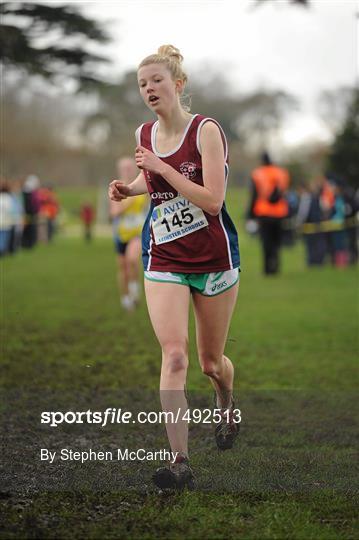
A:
(117, 190)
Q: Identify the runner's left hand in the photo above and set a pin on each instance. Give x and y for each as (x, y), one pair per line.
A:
(145, 159)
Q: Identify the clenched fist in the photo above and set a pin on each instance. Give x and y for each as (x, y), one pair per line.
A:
(117, 190)
(145, 159)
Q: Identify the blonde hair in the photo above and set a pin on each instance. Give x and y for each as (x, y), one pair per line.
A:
(171, 57)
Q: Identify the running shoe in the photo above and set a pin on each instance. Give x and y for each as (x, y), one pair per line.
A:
(227, 430)
(177, 475)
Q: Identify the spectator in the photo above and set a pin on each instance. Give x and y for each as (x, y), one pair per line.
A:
(309, 217)
(18, 217)
(351, 199)
(6, 218)
(339, 236)
(327, 201)
(49, 208)
(269, 206)
(351, 209)
(32, 207)
(288, 232)
(87, 215)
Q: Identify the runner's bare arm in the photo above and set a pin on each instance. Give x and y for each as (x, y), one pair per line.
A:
(119, 207)
(210, 196)
(117, 190)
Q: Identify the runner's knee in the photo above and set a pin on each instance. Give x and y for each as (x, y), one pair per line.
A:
(175, 357)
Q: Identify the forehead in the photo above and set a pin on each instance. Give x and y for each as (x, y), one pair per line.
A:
(146, 72)
(125, 162)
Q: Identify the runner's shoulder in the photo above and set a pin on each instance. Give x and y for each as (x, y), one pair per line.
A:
(210, 133)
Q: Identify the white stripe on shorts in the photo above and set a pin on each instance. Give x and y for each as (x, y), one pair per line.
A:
(162, 276)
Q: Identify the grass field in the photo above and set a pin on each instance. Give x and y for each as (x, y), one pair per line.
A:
(294, 341)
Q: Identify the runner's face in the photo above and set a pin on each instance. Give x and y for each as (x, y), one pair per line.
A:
(126, 169)
(157, 88)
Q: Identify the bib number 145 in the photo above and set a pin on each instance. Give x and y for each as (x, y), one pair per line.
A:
(177, 220)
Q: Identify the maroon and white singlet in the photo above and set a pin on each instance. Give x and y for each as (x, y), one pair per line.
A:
(177, 236)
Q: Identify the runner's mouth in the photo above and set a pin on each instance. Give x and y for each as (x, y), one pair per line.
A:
(153, 99)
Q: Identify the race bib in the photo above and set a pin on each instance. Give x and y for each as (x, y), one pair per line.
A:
(175, 219)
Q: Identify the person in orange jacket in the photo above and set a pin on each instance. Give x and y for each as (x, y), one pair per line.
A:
(49, 209)
(269, 207)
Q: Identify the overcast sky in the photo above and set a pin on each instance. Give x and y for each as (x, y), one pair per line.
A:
(274, 46)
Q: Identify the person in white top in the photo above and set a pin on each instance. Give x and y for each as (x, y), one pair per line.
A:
(6, 218)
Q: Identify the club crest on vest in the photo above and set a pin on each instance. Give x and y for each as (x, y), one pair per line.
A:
(188, 169)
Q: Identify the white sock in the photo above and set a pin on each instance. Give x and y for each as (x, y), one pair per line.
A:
(127, 302)
(134, 290)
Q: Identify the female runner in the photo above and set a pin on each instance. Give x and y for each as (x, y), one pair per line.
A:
(127, 221)
(189, 246)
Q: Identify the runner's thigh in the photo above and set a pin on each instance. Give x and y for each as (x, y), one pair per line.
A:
(168, 306)
(213, 316)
